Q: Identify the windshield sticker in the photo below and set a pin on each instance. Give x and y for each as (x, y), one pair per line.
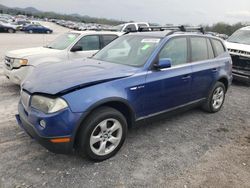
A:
(71, 37)
(145, 47)
(150, 40)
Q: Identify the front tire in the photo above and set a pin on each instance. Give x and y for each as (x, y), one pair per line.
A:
(102, 134)
(30, 31)
(216, 98)
(11, 31)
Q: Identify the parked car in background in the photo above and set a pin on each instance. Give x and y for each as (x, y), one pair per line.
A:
(34, 28)
(7, 28)
(222, 36)
(72, 45)
(7, 17)
(238, 45)
(127, 27)
(89, 104)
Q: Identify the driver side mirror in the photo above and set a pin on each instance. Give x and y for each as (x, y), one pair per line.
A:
(76, 49)
(164, 63)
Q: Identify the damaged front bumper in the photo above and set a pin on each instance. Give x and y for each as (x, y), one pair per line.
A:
(241, 68)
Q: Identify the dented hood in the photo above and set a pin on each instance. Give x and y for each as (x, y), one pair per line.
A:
(59, 78)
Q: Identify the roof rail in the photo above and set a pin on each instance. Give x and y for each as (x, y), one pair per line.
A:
(172, 28)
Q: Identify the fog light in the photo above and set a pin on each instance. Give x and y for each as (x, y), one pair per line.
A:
(43, 124)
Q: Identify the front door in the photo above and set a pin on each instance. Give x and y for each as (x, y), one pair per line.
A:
(90, 44)
(171, 87)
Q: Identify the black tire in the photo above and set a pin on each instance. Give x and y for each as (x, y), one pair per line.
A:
(30, 31)
(48, 32)
(208, 105)
(90, 125)
(11, 31)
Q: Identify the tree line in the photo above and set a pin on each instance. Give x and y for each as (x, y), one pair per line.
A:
(53, 15)
(224, 28)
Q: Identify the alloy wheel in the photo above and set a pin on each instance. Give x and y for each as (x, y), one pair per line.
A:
(218, 98)
(106, 136)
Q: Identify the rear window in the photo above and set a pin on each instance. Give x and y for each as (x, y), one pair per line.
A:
(218, 47)
(199, 49)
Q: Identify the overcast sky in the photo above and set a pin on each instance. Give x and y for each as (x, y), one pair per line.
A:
(157, 11)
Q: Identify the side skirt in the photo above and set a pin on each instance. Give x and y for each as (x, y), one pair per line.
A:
(170, 112)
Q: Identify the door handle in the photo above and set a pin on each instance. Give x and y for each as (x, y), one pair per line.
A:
(186, 77)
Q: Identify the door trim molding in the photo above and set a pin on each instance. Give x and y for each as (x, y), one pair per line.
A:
(170, 109)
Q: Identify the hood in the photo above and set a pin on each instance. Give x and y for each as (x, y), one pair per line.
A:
(59, 78)
(237, 46)
(29, 52)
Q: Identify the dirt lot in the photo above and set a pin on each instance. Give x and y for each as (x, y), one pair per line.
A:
(192, 149)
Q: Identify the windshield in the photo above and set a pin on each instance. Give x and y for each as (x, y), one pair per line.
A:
(240, 36)
(130, 50)
(63, 41)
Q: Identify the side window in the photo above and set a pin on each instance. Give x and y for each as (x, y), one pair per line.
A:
(130, 27)
(142, 25)
(199, 49)
(107, 39)
(145, 26)
(218, 47)
(176, 50)
(90, 42)
(210, 50)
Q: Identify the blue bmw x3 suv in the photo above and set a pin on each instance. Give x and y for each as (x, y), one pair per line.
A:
(88, 105)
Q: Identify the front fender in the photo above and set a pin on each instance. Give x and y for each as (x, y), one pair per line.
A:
(102, 103)
(87, 99)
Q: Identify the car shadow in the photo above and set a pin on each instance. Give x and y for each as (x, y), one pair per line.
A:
(238, 83)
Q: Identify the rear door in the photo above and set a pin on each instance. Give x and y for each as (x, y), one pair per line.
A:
(169, 88)
(90, 44)
(204, 66)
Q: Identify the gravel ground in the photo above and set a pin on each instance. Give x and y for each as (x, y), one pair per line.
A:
(191, 149)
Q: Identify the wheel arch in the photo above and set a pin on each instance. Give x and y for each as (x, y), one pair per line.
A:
(119, 104)
(225, 81)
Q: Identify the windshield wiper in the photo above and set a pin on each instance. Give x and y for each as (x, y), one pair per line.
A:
(233, 41)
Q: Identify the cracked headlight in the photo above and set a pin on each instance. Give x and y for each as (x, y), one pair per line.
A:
(48, 105)
(19, 62)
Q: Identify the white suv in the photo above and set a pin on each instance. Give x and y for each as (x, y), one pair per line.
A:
(72, 45)
(238, 45)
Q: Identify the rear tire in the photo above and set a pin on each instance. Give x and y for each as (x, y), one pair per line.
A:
(30, 31)
(102, 134)
(215, 99)
(48, 32)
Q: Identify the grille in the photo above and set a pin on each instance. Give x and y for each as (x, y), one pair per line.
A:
(8, 62)
(241, 63)
(25, 99)
(239, 52)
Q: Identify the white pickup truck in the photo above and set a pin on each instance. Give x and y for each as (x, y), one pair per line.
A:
(133, 26)
(72, 45)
